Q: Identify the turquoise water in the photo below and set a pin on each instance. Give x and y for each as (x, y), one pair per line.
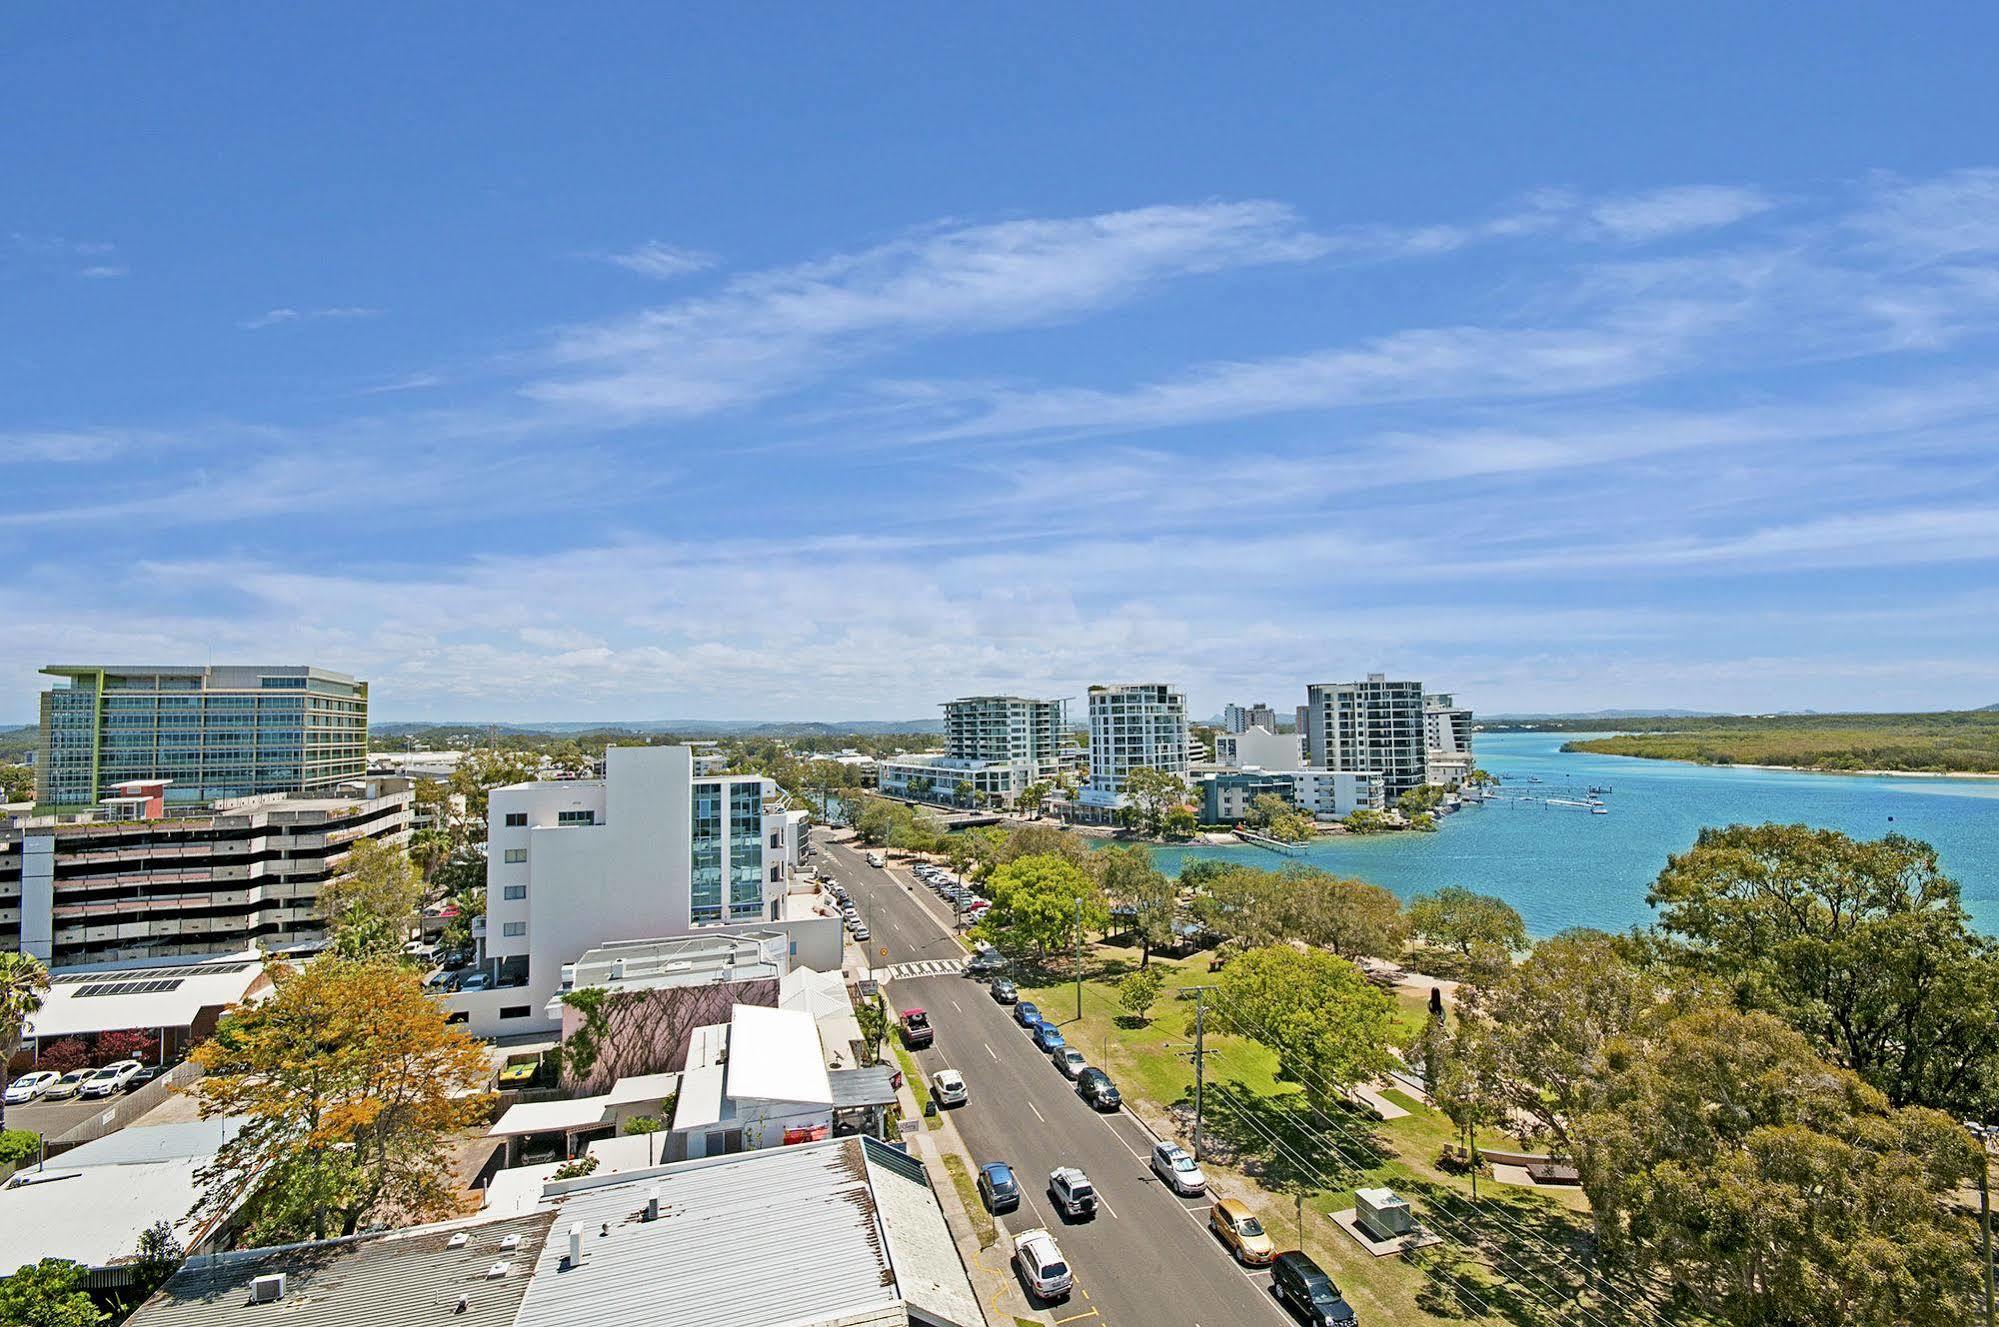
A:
(1564, 867)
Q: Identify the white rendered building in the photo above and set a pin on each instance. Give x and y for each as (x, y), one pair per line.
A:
(1260, 747)
(1139, 725)
(649, 851)
(995, 745)
(1447, 739)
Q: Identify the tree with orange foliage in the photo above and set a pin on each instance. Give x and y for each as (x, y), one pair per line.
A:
(349, 1083)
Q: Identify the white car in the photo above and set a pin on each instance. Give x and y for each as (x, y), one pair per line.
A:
(1040, 1261)
(110, 1078)
(876, 860)
(948, 1087)
(67, 1086)
(1180, 1171)
(862, 934)
(29, 1086)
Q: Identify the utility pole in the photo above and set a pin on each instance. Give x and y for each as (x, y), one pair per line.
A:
(1983, 1133)
(1200, 1057)
(1079, 958)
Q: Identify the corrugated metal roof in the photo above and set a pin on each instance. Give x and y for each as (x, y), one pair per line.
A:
(872, 1086)
(410, 1278)
(761, 1239)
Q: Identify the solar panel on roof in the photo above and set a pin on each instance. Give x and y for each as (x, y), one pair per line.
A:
(149, 974)
(129, 987)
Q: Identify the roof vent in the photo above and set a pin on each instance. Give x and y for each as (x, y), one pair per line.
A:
(510, 1242)
(652, 1203)
(497, 1270)
(576, 1245)
(457, 1241)
(464, 1303)
(268, 1289)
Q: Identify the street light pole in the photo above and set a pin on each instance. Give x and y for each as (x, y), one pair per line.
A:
(1983, 1133)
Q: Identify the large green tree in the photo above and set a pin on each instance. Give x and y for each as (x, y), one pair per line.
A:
(1241, 904)
(49, 1293)
(1327, 1024)
(1478, 931)
(17, 783)
(1131, 881)
(23, 982)
(372, 903)
(1350, 917)
(1038, 903)
(1151, 794)
(1773, 1188)
(1862, 945)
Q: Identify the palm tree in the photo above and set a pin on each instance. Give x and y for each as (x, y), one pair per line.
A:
(22, 981)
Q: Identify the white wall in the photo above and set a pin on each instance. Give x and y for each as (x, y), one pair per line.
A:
(1260, 748)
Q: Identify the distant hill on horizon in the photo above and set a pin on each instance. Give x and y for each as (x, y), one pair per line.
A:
(686, 727)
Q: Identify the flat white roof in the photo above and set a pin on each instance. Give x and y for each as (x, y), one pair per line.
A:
(774, 1055)
(700, 1102)
(160, 995)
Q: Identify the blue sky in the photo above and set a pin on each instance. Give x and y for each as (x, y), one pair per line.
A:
(589, 362)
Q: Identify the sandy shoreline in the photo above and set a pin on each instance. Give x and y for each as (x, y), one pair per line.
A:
(1802, 769)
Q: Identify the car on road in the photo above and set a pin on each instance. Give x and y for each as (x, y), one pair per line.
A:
(1026, 1014)
(1041, 1266)
(876, 860)
(1004, 990)
(1304, 1288)
(916, 1029)
(1095, 1087)
(862, 934)
(998, 1188)
(29, 1086)
(1048, 1037)
(986, 963)
(1172, 1163)
(947, 1088)
(1241, 1233)
(1071, 1192)
(111, 1078)
(68, 1085)
(1070, 1061)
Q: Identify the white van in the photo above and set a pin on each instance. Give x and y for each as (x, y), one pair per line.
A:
(875, 860)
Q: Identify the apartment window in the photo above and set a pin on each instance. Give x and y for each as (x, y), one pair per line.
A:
(514, 929)
(514, 892)
(516, 1010)
(576, 817)
(517, 819)
(515, 856)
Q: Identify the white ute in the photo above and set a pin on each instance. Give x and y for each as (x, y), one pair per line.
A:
(1041, 1266)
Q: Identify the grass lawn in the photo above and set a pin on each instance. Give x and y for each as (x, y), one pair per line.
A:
(914, 1077)
(1511, 1255)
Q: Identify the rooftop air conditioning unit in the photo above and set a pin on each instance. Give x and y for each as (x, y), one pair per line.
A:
(268, 1289)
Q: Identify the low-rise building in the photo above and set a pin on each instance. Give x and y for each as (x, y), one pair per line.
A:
(1226, 799)
(174, 1004)
(1263, 748)
(1447, 737)
(1325, 794)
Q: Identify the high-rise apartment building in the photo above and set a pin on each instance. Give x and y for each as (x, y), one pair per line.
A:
(1372, 725)
(993, 745)
(1262, 716)
(128, 885)
(1446, 739)
(210, 732)
(1240, 718)
(1140, 725)
(1234, 718)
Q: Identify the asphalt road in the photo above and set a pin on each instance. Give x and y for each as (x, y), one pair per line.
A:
(1147, 1257)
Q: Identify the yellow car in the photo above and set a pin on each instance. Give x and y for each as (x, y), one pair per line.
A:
(1237, 1227)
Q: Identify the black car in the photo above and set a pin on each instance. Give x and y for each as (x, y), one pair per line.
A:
(1306, 1290)
(146, 1075)
(998, 1187)
(1095, 1086)
(986, 963)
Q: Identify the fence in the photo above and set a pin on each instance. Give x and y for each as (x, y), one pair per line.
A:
(117, 1114)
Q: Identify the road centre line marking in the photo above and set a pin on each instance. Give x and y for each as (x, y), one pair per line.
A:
(1037, 1114)
(989, 1051)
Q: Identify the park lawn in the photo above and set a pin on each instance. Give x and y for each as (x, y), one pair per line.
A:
(1520, 1231)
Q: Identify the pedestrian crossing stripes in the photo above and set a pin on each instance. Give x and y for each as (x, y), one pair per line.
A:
(923, 967)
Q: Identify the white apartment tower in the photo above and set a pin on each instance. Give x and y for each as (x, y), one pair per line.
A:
(1446, 739)
(1234, 718)
(1375, 725)
(1138, 725)
(1026, 734)
(1240, 719)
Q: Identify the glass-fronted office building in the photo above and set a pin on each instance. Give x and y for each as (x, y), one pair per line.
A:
(214, 732)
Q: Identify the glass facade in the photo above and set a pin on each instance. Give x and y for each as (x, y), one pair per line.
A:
(705, 880)
(746, 830)
(213, 732)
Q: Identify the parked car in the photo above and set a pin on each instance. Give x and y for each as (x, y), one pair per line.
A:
(1172, 1163)
(1041, 1266)
(998, 1187)
(1048, 1038)
(147, 1075)
(1004, 991)
(1241, 1233)
(477, 981)
(29, 1086)
(68, 1085)
(947, 1087)
(986, 963)
(1095, 1087)
(1026, 1014)
(1071, 1192)
(111, 1078)
(1070, 1061)
(862, 934)
(1303, 1286)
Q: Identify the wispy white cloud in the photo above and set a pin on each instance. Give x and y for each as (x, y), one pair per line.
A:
(1952, 216)
(104, 271)
(337, 312)
(664, 261)
(1663, 213)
